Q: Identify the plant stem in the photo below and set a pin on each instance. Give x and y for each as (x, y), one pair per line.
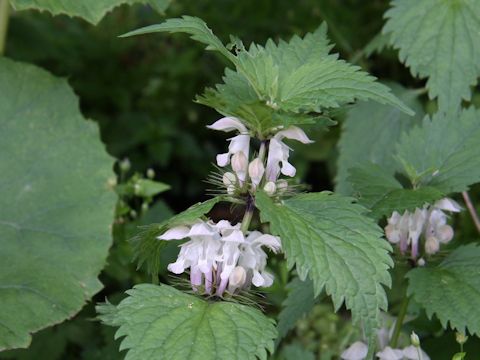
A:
(247, 217)
(4, 13)
(471, 209)
(399, 322)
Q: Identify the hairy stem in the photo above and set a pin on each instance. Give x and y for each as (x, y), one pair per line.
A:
(399, 322)
(250, 206)
(471, 209)
(4, 13)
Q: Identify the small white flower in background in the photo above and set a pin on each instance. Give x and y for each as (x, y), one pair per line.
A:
(221, 257)
(278, 153)
(390, 354)
(431, 222)
(412, 353)
(357, 351)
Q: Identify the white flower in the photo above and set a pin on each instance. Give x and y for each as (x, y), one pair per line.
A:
(448, 204)
(238, 144)
(254, 259)
(221, 256)
(256, 171)
(416, 223)
(278, 153)
(229, 179)
(228, 124)
(357, 351)
(411, 353)
(390, 354)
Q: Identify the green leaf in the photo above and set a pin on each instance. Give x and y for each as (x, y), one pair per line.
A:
(451, 290)
(281, 84)
(54, 225)
(161, 322)
(444, 151)
(195, 27)
(369, 132)
(147, 247)
(91, 10)
(383, 194)
(300, 300)
(330, 239)
(438, 39)
(149, 188)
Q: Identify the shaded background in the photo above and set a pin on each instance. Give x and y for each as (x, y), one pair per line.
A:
(140, 91)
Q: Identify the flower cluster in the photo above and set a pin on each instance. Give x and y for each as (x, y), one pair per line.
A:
(221, 257)
(260, 174)
(359, 350)
(431, 221)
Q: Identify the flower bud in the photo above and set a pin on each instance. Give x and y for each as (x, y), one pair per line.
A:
(231, 189)
(125, 165)
(421, 262)
(414, 339)
(240, 165)
(112, 182)
(150, 173)
(270, 188)
(229, 179)
(432, 245)
(256, 171)
(461, 338)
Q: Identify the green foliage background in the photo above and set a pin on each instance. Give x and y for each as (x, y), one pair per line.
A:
(140, 91)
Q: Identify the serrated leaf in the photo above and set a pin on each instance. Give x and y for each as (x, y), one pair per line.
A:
(438, 39)
(451, 290)
(329, 238)
(330, 83)
(195, 27)
(369, 133)
(450, 155)
(299, 301)
(161, 322)
(91, 10)
(281, 84)
(380, 192)
(147, 247)
(54, 225)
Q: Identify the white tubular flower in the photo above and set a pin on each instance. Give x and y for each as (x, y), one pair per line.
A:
(278, 152)
(448, 204)
(254, 259)
(240, 165)
(239, 143)
(397, 230)
(228, 124)
(415, 227)
(412, 353)
(357, 351)
(390, 354)
(256, 171)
